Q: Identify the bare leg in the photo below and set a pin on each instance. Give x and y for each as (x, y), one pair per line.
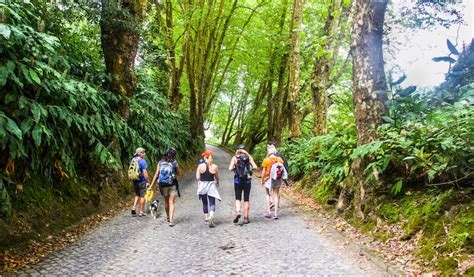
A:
(135, 201)
(142, 205)
(246, 209)
(268, 198)
(237, 206)
(171, 206)
(167, 206)
(276, 198)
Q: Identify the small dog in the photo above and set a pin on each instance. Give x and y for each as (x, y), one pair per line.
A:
(154, 208)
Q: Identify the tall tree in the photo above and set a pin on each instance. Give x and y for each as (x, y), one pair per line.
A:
(120, 24)
(175, 62)
(274, 105)
(333, 35)
(294, 125)
(369, 93)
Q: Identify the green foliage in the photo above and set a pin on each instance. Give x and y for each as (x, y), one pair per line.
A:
(329, 154)
(59, 127)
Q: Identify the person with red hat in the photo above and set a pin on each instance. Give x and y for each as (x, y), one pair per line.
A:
(207, 174)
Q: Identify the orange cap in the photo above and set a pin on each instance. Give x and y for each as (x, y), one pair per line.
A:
(207, 153)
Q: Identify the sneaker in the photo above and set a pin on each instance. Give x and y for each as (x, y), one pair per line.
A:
(211, 223)
(141, 214)
(206, 222)
(171, 224)
(236, 219)
(268, 215)
(275, 216)
(134, 213)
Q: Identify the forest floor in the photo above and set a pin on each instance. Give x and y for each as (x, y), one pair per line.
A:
(395, 252)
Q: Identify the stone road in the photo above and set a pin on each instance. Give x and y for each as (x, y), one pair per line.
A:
(136, 246)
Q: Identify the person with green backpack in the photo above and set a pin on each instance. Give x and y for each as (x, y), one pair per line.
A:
(139, 176)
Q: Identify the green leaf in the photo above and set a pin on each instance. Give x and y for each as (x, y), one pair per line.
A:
(13, 128)
(3, 75)
(452, 48)
(444, 59)
(35, 77)
(36, 134)
(399, 81)
(36, 111)
(388, 119)
(397, 187)
(5, 31)
(407, 91)
(26, 125)
(11, 97)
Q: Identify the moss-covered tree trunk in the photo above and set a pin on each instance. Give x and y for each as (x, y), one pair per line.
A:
(120, 25)
(294, 125)
(369, 94)
(334, 32)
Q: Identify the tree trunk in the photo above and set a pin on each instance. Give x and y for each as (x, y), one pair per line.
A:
(175, 69)
(120, 34)
(324, 64)
(294, 126)
(272, 113)
(369, 95)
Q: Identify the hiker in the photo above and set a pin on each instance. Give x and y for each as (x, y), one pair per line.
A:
(141, 183)
(266, 181)
(271, 144)
(242, 164)
(207, 174)
(165, 174)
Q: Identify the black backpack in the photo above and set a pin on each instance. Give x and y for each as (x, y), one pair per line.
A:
(242, 167)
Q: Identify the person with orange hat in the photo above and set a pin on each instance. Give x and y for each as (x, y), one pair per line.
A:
(207, 174)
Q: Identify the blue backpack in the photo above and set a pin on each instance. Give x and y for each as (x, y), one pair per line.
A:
(166, 173)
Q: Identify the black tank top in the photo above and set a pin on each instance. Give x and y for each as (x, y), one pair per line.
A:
(207, 176)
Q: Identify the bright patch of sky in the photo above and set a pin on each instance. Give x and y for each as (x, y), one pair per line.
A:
(415, 58)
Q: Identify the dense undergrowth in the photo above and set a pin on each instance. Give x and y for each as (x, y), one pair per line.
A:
(63, 146)
(424, 155)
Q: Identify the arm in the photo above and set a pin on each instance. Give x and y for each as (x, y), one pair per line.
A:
(156, 175)
(217, 175)
(263, 174)
(198, 173)
(145, 174)
(232, 163)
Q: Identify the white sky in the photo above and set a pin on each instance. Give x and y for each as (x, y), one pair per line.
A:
(422, 45)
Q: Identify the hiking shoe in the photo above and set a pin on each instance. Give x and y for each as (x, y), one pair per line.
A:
(236, 219)
(134, 213)
(246, 220)
(211, 223)
(268, 215)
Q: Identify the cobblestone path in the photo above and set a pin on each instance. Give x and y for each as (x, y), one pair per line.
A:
(126, 245)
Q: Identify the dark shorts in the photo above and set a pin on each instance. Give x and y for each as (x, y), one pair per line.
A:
(242, 186)
(140, 189)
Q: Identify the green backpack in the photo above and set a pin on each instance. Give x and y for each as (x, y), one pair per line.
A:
(134, 170)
